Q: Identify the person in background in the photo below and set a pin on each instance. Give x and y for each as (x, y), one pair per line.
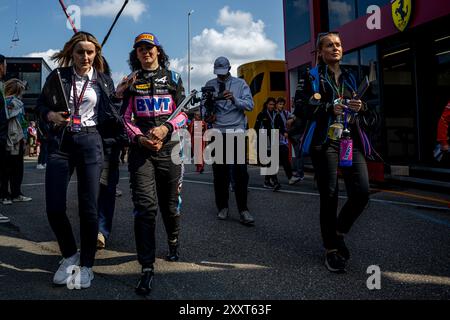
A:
(3, 126)
(15, 144)
(229, 117)
(443, 135)
(281, 119)
(42, 135)
(32, 139)
(266, 121)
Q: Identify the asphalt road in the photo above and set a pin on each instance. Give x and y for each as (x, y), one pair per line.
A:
(404, 232)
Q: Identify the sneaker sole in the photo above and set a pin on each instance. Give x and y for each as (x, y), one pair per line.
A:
(338, 271)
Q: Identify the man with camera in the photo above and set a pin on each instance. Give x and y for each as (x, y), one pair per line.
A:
(224, 109)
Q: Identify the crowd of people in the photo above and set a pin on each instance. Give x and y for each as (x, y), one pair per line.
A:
(89, 129)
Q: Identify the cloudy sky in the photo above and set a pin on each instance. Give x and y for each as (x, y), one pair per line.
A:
(244, 30)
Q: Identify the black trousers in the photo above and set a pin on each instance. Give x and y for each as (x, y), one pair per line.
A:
(84, 152)
(325, 161)
(284, 160)
(11, 173)
(221, 173)
(155, 181)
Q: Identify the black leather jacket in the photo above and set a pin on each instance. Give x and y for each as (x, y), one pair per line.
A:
(109, 122)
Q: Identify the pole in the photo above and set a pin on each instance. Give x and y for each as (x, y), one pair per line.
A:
(114, 23)
(189, 50)
(67, 16)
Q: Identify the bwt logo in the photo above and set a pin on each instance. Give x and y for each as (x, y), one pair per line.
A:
(374, 20)
(74, 13)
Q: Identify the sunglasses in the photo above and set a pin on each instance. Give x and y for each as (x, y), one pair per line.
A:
(321, 35)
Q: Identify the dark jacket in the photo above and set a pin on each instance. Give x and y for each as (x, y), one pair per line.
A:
(3, 120)
(323, 114)
(151, 100)
(109, 123)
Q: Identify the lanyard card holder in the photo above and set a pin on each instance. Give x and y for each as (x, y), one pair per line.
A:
(75, 123)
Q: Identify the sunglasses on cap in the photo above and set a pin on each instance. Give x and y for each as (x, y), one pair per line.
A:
(321, 35)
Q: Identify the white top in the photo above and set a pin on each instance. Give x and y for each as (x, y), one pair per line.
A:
(88, 110)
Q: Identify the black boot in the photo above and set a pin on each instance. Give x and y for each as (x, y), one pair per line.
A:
(173, 254)
(144, 286)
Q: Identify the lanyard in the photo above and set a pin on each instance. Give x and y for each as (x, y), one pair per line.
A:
(77, 100)
(271, 118)
(335, 88)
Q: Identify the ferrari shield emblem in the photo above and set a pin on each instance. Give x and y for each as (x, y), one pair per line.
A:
(401, 13)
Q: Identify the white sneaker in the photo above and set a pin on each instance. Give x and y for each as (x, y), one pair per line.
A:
(22, 198)
(64, 271)
(81, 279)
(6, 201)
(40, 167)
(294, 180)
(4, 219)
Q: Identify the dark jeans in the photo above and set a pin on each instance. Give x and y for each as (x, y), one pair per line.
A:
(284, 160)
(107, 195)
(298, 161)
(155, 180)
(221, 173)
(325, 160)
(84, 152)
(12, 173)
(43, 153)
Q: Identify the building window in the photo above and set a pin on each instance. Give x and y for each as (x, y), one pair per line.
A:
(350, 61)
(364, 4)
(256, 84)
(340, 12)
(298, 29)
(277, 81)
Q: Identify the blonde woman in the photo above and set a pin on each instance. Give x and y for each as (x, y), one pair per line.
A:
(75, 142)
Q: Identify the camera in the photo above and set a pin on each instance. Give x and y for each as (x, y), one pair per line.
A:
(209, 97)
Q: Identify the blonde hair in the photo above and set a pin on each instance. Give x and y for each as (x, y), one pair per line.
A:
(14, 87)
(64, 57)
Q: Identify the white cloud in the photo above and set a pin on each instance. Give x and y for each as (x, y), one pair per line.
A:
(342, 10)
(46, 55)
(241, 39)
(110, 8)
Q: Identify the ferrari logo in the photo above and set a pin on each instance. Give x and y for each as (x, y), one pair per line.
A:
(401, 13)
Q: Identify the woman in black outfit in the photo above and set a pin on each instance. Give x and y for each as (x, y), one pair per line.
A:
(75, 141)
(328, 94)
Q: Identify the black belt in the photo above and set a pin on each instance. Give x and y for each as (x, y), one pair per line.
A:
(92, 129)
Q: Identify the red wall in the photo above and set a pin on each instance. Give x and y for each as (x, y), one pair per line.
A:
(355, 34)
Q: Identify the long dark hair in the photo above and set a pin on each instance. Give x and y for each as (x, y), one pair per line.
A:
(135, 64)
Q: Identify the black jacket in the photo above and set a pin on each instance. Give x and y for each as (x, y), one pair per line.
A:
(323, 114)
(109, 123)
(3, 120)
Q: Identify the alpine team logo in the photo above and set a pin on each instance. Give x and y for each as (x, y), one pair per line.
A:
(401, 13)
(161, 80)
